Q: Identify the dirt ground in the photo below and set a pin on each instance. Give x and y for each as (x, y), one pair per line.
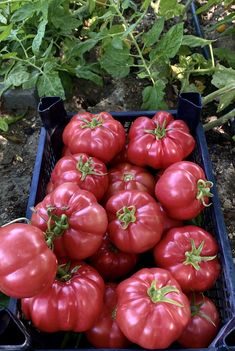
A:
(18, 149)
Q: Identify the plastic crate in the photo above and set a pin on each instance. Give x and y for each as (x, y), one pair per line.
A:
(54, 118)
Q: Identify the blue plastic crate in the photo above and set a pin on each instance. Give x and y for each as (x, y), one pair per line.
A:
(54, 118)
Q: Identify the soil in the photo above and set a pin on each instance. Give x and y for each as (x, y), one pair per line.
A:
(18, 147)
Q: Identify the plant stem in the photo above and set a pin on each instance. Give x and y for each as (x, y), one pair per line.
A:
(217, 93)
(212, 55)
(220, 121)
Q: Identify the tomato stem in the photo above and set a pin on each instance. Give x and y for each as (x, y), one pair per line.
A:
(159, 294)
(203, 190)
(194, 257)
(159, 132)
(21, 219)
(126, 215)
(127, 177)
(56, 225)
(87, 168)
(95, 122)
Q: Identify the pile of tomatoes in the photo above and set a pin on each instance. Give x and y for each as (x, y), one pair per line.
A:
(109, 251)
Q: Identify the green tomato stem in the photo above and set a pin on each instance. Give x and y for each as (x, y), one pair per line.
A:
(126, 215)
(95, 122)
(203, 190)
(159, 294)
(194, 257)
(87, 168)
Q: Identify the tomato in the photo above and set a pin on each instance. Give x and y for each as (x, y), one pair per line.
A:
(98, 135)
(121, 157)
(72, 303)
(112, 263)
(106, 333)
(135, 221)
(27, 265)
(160, 141)
(203, 325)
(190, 254)
(152, 310)
(183, 190)
(73, 221)
(169, 222)
(125, 176)
(87, 172)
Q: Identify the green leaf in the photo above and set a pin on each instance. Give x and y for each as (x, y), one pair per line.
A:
(117, 43)
(153, 96)
(152, 36)
(3, 19)
(26, 11)
(170, 8)
(49, 84)
(17, 75)
(91, 5)
(169, 44)
(193, 41)
(86, 73)
(226, 54)
(223, 76)
(116, 62)
(39, 36)
(4, 299)
(4, 127)
(146, 4)
(207, 6)
(32, 81)
(7, 56)
(5, 31)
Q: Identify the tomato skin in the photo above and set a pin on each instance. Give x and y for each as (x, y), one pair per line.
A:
(27, 265)
(172, 143)
(168, 222)
(200, 331)
(126, 176)
(67, 170)
(87, 220)
(68, 305)
(110, 262)
(177, 190)
(103, 141)
(151, 325)
(106, 333)
(146, 229)
(170, 254)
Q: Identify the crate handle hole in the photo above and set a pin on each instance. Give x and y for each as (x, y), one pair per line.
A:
(8, 329)
(230, 338)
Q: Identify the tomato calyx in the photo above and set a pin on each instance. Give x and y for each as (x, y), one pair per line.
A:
(159, 132)
(56, 225)
(114, 313)
(65, 273)
(95, 122)
(127, 177)
(196, 310)
(203, 190)
(159, 294)
(194, 257)
(87, 168)
(126, 215)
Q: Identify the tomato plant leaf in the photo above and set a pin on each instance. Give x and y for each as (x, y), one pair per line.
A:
(207, 6)
(153, 96)
(86, 73)
(49, 84)
(39, 36)
(3, 19)
(170, 8)
(4, 127)
(5, 31)
(17, 75)
(226, 99)
(193, 41)
(152, 36)
(116, 62)
(226, 54)
(223, 76)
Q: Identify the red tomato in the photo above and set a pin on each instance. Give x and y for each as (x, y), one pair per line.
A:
(190, 254)
(135, 221)
(203, 325)
(152, 310)
(160, 141)
(112, 263)
(169, 222)
(99, 135)
(73, 220)
(183, 190)
(72, 303)
(120, 157)
(27, 265)
(126, 176)
(87, 172)
(106, 333)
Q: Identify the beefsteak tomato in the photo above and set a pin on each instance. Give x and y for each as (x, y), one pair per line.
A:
(72, 303)
(88, 173)
(135, 221)
(183, 190)
(203, 325)
(190, 254)
(152, 310)
(27, 265)
(106, 333)
(73, 221)
(110, 262)
(160, 141)
(98, 135)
